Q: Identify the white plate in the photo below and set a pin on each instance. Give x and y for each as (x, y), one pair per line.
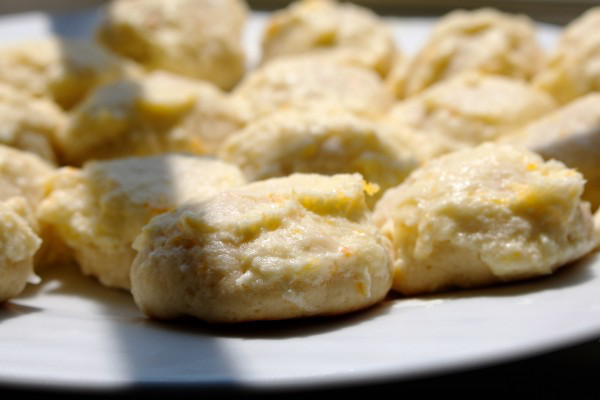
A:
(70, 332)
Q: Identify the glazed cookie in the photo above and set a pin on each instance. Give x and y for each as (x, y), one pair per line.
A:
(465, 111)
(311, 142)
(312, 81)
(18, 245)
(475, 217)
(100, 209)
(571, 134)
(63, 70)
(196, 38)
(276, 249)
(157, 114)
(574, 68)
(484, 40)
(344, 31)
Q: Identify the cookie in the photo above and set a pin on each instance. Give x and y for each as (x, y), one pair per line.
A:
(28, 123)
(196, 38)
(570, 134)
(313, 81)
(18, 245)
(343, 31)
(465, 111)
(326, 143)
(59, 69)
(98, 210)
(281, 248)
(484, 40)
(572, 69)
(159, 113)
(491, 214)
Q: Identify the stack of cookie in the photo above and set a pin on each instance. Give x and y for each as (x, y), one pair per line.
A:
(337, 169)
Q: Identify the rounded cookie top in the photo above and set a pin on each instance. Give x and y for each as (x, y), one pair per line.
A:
(313, 81)
(465, 111)
(483, 215)
(573, 69)
(29, 123)
(62, 70)
(196, 38)
(23, 175)
(570, 134)
(484, 40)
(344, 31)
(18, 245)
(276, 249)
(101, 208)
(159, 113)
(317, 142)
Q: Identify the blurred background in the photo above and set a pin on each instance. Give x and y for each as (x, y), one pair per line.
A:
(554, 11)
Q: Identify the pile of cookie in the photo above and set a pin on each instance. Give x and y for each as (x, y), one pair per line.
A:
(338, 169)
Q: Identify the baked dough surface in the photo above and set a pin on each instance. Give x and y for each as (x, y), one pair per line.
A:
(483, 40)
(463, 112)
(313, 82)
(18, 245)
(100, 209)
(317, 142)
(276, 249)
(197, 38)
(573, 69)
(62, 70)
(571, 134)
(23, 175)
(490, 214)
(159, 113)
(343, 31)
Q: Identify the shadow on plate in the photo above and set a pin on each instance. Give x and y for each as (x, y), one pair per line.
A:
(75, 24)
(285, 329)
(571, 275)
(9, 309)
(67, 281)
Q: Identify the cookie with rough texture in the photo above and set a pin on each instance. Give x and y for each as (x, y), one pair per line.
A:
(29, 124)
(62, 70)
(23, 174)
(18, 245)
(100, 209)
(484, 40)
(197, 38)
(475, 217)
(573, 69)
(397, 76)
(159, 113)
(571, 134)
(313, 81)
(281, 248)
(465, 111)
(326, 143)
(343, 31)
